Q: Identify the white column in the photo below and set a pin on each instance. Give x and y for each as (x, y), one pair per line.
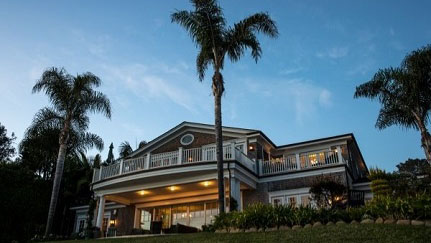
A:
(100, 212)
(180, 155)
(121, 166)
(100, 172)
(147, 161)
(298, 163)
(236, 191)
(340, 156)
(137, 218)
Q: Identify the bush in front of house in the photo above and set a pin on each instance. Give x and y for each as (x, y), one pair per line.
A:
(264, 216)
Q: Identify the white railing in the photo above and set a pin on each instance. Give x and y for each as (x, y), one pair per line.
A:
(192, 155)
(110, 170)
(280, 165)
(134, 164)
(311, 160)
(245, 160)
(208, 153)
(164, 159)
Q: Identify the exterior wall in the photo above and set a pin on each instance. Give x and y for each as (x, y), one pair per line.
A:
(254, 196)
(125, 218)
(303, 182)
(200, 139)
(261, 194)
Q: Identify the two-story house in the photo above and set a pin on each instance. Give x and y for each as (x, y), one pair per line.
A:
(173, 178)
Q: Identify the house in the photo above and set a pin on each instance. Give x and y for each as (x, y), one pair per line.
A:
(173, 179)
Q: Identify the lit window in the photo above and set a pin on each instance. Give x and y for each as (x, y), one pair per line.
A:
(292, 201)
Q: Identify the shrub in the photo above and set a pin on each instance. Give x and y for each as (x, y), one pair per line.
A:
(263, 216)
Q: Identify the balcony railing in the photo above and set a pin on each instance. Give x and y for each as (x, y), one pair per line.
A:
(301, 161)
(181, 156)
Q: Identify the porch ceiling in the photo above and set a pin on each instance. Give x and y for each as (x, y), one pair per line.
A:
(175, 191)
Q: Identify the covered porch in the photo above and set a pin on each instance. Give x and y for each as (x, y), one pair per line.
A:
(147, 208)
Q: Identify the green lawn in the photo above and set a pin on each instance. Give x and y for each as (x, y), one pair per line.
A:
(332, 234)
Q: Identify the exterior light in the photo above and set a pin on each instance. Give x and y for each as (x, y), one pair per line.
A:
(251, 147)
(172, 188)
(142, 192)
(112, 222)
(206, 183)
(190, 159)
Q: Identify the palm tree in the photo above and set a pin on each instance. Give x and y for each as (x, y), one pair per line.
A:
(125, 149)
(404, 94)
(72, 98)
(207, 28)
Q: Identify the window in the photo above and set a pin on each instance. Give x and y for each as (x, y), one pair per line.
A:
(305, 200)
(81, 225)
(277, 201)
(187, 139)
(292, 201)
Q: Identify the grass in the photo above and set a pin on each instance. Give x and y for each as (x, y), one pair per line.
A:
(332, 234)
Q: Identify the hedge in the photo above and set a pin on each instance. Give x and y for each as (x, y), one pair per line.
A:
(263, 216)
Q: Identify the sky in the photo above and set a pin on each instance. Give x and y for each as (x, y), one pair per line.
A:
(301, 88)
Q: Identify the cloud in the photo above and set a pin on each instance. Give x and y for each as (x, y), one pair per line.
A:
(299, 95)
(158, 81)
(289, 71)
(334, 53)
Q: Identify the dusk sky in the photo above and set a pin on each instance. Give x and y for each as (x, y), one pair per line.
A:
(302, 87)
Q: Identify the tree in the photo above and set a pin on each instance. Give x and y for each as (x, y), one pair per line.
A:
(207, 28)
(404, 94)
(6, 148)
(72, 98)
(328, 192)
(125, 149)
(39, 148)
(110, 160)
(142, 144)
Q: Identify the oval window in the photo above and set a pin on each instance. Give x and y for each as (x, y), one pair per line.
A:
(187, 139)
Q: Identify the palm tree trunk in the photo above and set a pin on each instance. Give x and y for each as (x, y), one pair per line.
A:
(56, 187)
(217, 92)
(426, 143)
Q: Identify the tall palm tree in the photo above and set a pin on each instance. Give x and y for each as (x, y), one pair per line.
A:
(404, 94)
(72, 98)
(125, 149)
(207, 28)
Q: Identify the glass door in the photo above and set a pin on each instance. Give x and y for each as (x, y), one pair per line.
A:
(145, 222)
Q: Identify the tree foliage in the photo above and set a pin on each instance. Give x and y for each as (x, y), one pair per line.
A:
(125, 149)
(404, 93)
(6, 144)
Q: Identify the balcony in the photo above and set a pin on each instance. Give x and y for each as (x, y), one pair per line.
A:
(302, 162)
(173, 158)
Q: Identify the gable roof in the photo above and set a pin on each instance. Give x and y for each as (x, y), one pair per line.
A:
(186, 124)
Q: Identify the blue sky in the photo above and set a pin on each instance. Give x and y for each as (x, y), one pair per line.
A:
(302, 88)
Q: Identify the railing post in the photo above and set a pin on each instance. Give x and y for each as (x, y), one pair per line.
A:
(100, 172)
(147, 162)
(340, 156)
(121, 166)
(298, 163)
(180, 155)
(232, 148)
(260, 166)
